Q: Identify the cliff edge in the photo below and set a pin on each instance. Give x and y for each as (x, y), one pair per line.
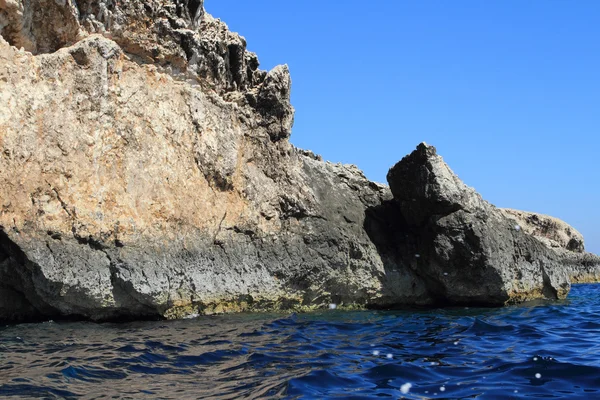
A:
(566, 241)
(146, 172)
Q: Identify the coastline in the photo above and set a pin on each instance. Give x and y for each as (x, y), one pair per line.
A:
(148, 173)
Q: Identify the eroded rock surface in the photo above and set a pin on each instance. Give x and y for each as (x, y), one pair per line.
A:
(130, 190)
(566, 241)
(466, 249)
(553, 232)
(145, 171)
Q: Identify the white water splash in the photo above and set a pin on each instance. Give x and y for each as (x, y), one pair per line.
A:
(375, 352)
(389, 356)
(404, 389)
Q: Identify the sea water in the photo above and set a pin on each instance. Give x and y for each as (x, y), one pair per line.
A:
(543, 350)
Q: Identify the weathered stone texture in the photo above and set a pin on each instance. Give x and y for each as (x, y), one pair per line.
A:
(553, 232)
(128, 192)
(145, 171)
(465, 248)
(564, 240)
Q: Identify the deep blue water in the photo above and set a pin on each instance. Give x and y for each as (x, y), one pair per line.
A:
(544, 350)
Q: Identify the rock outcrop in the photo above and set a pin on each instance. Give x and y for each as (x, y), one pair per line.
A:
(466, 249)
(565, 240)
(130, 189)
(146, 172)
(553, 232)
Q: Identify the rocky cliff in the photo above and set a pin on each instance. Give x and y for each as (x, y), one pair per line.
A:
(469, 251)
(145, 171)
(553, 232)
(566, 241)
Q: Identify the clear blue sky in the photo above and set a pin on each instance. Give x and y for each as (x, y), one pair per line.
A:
(507, 90)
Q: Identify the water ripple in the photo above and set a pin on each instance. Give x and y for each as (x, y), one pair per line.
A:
(549, 350)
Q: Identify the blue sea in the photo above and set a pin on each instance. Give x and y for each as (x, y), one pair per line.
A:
(541, 350)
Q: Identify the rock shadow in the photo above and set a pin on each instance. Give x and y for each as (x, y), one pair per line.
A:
(397, 244)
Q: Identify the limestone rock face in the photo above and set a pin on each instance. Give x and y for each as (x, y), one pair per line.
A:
(146, 172)
(176, 35)
(41, 26)
(467, 250)
(141, 180)
(564, 240)
(553, 232)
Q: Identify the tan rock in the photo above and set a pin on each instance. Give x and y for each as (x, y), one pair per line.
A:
(553, 232)
(566, 241)
(128, 191)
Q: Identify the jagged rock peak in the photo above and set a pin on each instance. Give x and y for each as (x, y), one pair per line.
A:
(177, 35)
(469, 251)
(426, 186)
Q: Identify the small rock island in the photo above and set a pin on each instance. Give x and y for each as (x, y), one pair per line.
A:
(146, 172)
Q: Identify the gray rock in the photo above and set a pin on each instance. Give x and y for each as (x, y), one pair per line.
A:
(468, 251)
(552, 232)
(563, 239)
(581, 267)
